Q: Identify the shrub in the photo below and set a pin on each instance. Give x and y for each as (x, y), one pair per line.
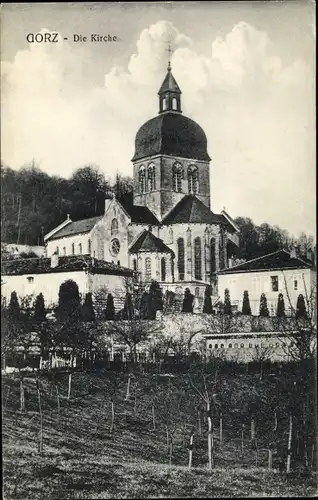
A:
(263, 309)
(246, 308)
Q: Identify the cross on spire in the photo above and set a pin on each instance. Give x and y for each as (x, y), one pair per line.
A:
(170, 51)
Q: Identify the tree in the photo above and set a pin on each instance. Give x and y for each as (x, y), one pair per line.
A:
(155, 299)
(263, 309)
(128, 312)
(110, 308)
(144, 306)
(88, 309)
(246, 308)
(39, 308)
(69, 305)
(301, 311)
(280, 311)
(227, 303)
(14, 306)
(187, 305)
(207, 305)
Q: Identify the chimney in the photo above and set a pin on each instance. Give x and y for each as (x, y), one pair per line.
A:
(54, 260)
(293, 253)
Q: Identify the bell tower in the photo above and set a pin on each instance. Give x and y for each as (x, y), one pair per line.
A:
(169, 94)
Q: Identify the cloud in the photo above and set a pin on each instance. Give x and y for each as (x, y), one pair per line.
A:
(255, 110)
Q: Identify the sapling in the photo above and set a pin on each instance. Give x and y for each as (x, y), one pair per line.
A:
(290, 433)
(191, 448)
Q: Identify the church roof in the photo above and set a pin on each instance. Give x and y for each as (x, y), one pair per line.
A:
(139, 214)
(192, 210)
(18, 267)
(76, 227)
(148, 242)
(169, 84)
(173, 134)
(277, 261)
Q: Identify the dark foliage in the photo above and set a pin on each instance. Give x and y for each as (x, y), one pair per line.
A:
(69, 307)
(207, 305)
(88, 309)
(263, 309)
(246, 308)
(187, 305)
(155, 299)
(280, 311)
(128, 312)
(301, 311)
(110, 308)
(39, 308)
(227, 303)
(14, 306)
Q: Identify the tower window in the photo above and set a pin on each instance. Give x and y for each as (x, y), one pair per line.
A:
(177, 176)
(197, 259)
(163, 269)
(114, 227)
(151, 178)
(148, 269)
(142, 179)
(193, 179)
(174, 103)
(180, 244)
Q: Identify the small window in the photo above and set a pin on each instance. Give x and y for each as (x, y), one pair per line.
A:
(274, 282)
(57, 250)
(118, 262)
(222, 346)
(242, 345)
(30, 279)
(230, 346)
(64, 250)
(148, 269)
(89, 246)
(250, 346)
(216, 346)
(73, 249)
(236, 345)
(114, 227)
(295, 285)
(80, 248)
(210, 346)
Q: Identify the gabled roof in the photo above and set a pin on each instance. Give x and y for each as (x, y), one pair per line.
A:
(169, 84)
(148, 242)
(191, 210)
(139, 214)
(76, 227)
(273, 261)
(69, 263)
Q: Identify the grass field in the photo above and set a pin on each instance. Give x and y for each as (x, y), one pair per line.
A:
(81, 458)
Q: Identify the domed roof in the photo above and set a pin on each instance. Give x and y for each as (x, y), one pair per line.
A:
(171, 133)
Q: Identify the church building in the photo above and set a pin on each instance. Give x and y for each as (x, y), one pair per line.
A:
(169, 234)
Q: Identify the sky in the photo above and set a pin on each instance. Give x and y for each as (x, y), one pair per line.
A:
(247, 75)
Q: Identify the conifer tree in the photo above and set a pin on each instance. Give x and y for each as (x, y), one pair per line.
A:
(187, 305)
(14, 306)
(301, 311)
(263, 309)
(88, 309)
(280, 311)
(69, 306)
(110, 308)
(155, 299)
(207, 305)
(246, 308)
(39, 308)
(227, 303)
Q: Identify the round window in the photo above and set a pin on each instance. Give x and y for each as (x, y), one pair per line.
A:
(114, 247)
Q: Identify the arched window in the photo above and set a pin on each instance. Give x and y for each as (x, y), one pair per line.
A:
(221, 250)
(180, 244)
(193, 179)
(212, 256)
(57, 250)
(174, 103)
(197, 259)
(114, 227)
(197, 291)
(80, 248)
(142, 179)
(135, 264)
(89, 246)
(64, 250)
(151, 178)
(230, 346)
(177, 176)
(164, 104)
(148, 269)
(73, 249)
(163, 269)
